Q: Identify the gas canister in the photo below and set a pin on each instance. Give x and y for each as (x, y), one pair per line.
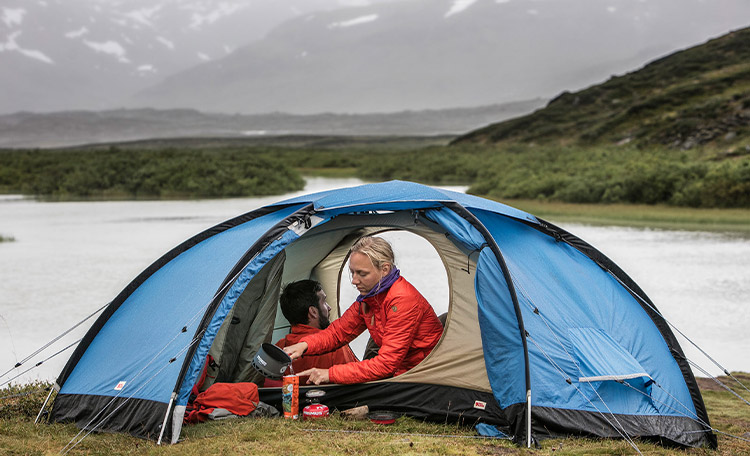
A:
(315, 410)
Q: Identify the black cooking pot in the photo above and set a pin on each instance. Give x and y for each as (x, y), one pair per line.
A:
(271, 361)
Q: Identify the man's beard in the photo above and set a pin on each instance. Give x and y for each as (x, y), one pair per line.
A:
(323, 321)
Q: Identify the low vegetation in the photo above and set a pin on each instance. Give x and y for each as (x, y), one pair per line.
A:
(572, 174)
(576, 174)
(4, 238)
(145, 174)
(19, 406)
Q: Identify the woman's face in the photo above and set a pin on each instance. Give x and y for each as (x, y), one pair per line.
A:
(364, 274)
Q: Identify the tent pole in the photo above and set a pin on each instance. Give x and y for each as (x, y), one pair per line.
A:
(166, 417)
(528, 418)
(45, 404)
(476, 223)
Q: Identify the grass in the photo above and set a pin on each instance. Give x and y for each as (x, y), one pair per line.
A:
(4, 238)
(336, 435)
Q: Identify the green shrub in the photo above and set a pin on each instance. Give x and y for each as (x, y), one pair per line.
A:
(165, 173)
(23, 401)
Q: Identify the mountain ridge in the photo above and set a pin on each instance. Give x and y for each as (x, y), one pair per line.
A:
(95, 54)
(345, 56)
(71, 128)
(413, 55)
(696, 97)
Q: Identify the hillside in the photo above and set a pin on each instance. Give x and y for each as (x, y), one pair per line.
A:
(696, 97)
(675, 132)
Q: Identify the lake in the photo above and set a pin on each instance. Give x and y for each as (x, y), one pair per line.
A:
(69, 259)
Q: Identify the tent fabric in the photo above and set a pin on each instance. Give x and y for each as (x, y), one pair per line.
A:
(245, 328)
(178, 293)
(600, 357)
(397, 195)
(581, 294)
(532, 310)
(225, 307)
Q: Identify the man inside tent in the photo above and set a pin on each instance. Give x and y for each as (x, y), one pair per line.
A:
(400, 320)
(304, 305)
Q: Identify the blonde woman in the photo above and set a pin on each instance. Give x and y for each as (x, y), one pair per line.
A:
(400, 320)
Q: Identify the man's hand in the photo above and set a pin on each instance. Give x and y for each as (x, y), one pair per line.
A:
(295, 351)
(317, 376)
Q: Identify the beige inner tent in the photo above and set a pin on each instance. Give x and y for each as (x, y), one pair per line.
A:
(321, 254)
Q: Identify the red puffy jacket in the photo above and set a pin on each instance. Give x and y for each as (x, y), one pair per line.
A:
(400, 321)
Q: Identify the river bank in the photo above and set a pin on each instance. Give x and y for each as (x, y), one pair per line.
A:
(640, 215)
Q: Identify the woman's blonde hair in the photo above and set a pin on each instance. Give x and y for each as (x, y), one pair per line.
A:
(378, 250)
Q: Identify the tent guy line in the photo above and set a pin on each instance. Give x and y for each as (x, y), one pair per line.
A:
(39, 363)
(621, 429)
(44, 347)
(536, 311)
(196, 338)
(686, 413)
(716, 380)
(409, 434)
(710, 358)
(122, 404)
(697, 419)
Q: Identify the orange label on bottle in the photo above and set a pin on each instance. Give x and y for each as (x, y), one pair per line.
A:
(290, 396)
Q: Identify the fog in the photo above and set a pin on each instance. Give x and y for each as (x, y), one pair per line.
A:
(342, 56)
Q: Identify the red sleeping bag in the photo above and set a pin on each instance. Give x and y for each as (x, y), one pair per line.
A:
(237, 398)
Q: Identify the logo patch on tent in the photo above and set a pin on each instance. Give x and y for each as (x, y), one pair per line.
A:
(120, 386)
(480, 405)
(393, 308)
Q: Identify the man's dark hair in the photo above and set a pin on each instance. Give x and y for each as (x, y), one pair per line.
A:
(297, 298)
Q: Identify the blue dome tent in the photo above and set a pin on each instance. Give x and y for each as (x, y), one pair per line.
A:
(545, 336)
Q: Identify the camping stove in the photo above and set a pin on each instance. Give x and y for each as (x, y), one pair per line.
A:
(315, 410)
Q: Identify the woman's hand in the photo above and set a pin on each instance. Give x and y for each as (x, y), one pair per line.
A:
(317, 376)
(295, 351)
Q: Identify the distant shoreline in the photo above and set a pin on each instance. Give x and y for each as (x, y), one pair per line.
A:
(664, 217)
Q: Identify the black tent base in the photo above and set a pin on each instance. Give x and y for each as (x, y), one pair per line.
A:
(439, 403)
(436, 403)
(137, 417)
(671, 431)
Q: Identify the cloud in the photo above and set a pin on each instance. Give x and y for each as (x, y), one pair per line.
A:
(13, 16)
(355, 21)
(11, 45)
(458, 6)
(109, 47)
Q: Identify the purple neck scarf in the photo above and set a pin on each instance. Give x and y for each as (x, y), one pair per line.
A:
(383, 285)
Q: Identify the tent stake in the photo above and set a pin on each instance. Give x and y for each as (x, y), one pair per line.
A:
(166, 417)
(44, 405)
(528, 418)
